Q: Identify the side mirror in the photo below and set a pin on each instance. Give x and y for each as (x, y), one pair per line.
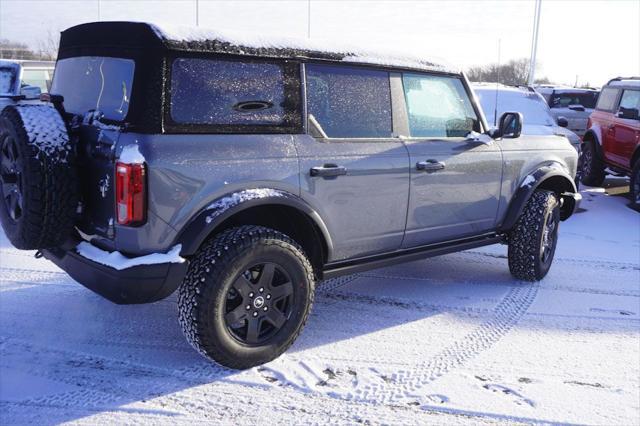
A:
(563, 122)
(576, 107)
(510, 126)
(30, 92)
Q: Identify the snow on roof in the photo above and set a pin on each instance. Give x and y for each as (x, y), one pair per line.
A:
(247, 43)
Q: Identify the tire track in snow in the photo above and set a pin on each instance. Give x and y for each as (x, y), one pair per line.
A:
(593, 263)
(406, 384)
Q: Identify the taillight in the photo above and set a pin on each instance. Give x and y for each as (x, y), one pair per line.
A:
(130, 194)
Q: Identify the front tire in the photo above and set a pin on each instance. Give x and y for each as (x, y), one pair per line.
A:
(533, 240)
(592, 166)
(246, 297)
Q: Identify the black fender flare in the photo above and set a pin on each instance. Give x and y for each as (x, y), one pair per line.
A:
(557, 179)
(207, 220)
(592, 133)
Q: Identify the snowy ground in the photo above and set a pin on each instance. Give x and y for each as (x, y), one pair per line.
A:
(449, 340)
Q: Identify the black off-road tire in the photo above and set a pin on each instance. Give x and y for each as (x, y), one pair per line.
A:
(634, 187)
(526, 261)
(212, 272)
(44, 169)
(593, 173)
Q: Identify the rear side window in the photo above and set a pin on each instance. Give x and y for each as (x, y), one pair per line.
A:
(95, 83)
(231, 93)
(347, 102)
(438, 106)
(607, 99)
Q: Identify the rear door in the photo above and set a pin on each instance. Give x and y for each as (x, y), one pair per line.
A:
(97, 91)
(455, 183)
(607, 105)
(352, 170)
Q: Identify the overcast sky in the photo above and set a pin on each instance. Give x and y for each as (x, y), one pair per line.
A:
(593, 40)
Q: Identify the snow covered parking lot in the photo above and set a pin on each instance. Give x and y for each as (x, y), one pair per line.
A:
(448, 340)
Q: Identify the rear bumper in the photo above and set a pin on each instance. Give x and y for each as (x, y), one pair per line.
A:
(138, 284)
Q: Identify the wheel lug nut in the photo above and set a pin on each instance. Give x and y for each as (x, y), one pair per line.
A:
(268, 296)
(261, 289)
(265, 309)
(250, 294)
(255, 314)
(248, 307)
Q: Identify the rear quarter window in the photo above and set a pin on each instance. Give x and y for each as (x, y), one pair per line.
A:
(228, 94)
(608, 98)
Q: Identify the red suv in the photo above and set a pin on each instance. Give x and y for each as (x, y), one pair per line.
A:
(612, 141)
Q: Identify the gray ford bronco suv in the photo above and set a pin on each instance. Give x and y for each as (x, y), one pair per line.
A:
(241, 173)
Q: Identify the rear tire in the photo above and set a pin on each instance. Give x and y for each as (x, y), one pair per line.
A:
(592, 166)
(533, 240)
(634, 187)
(38, 182)
(246, 297)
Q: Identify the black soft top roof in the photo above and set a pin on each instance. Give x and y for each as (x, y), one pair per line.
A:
(124, 38)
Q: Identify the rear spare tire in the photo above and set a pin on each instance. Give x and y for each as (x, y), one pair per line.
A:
(38, 184)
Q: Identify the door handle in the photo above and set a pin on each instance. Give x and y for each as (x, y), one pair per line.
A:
(430, 166)
(328, 170)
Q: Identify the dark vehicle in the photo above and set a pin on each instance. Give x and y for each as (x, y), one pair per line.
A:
(240, 174)
(612, 141)
(12, 86)
(572, 103)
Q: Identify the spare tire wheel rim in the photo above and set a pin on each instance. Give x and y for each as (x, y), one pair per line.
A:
(11, 176)
(258, 303)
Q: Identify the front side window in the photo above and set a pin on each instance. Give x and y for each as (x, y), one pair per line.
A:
(630, 101)
(438, 106)
(95, 83)
(607, 99)
(348, 102)
(229, 93)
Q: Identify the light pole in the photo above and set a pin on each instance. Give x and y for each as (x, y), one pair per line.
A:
(308, 18)
(197, 13)
(534, 43)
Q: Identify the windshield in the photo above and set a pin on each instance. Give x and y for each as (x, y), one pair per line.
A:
(533, 109)
(564, 99)
(37, 77)
(95, 83)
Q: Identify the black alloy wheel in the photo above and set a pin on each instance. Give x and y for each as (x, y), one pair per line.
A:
(258, 303)
(11, 176)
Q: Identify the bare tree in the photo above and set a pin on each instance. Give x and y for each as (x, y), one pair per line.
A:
(48, 47)
(514, 72)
